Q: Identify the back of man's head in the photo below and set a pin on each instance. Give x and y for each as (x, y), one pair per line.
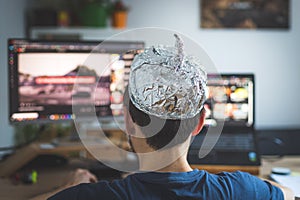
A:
(160, 133)
(165, 95)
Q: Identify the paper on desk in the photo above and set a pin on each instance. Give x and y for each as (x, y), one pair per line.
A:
(290, 181)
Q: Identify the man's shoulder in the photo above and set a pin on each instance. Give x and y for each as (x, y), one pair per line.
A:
(243, 184)
(91, 191)
(235, 178)
(236, 174)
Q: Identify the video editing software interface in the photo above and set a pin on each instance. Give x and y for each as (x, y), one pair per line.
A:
(47, 77)
(230, 99)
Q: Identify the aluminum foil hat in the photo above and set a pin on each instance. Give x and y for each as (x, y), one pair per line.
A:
(166, 83)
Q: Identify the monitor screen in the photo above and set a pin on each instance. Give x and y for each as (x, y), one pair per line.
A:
(230, 100)
(47, 78)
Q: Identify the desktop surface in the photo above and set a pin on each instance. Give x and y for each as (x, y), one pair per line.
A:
(51, 178)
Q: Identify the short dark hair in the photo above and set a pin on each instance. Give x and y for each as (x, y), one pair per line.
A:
(171, 128)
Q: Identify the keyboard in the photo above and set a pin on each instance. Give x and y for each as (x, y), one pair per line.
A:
(235, 142)
(228, 142)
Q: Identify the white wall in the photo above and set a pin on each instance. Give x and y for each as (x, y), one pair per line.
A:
(272, 55)
(11, 25)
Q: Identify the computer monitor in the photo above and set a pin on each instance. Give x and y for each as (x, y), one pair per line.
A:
(46, 78)
(230, 100)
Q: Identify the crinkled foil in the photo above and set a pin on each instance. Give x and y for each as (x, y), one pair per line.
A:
(166, 83)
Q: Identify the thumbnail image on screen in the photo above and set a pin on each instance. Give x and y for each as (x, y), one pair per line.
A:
(48, 79)
(230, 99)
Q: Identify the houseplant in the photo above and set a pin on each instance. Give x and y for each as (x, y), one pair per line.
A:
(94, 13)
(119, 14)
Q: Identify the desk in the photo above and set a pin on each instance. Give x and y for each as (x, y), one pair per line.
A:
(22, 156)
(292, 162)
(50, 179)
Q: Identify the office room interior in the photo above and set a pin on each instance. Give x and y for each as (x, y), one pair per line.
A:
(270, 54)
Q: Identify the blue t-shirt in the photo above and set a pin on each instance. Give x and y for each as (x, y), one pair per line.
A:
(197, 184)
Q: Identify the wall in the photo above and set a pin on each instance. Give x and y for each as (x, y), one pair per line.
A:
(11, 25)
(272, 55)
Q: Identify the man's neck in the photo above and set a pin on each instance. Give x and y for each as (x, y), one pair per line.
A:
(180, 165)
(169, 160)
(173, 159)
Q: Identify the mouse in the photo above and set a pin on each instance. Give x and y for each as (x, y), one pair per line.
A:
(281, 171)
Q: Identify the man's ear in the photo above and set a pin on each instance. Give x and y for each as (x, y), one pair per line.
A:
(200, 124)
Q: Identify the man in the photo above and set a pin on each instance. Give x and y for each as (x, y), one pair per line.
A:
(163, 109)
